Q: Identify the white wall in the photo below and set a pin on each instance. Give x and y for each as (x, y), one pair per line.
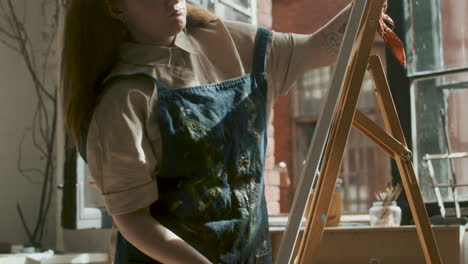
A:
(17, 106)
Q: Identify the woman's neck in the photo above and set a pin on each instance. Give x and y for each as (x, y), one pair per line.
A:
(163, 42)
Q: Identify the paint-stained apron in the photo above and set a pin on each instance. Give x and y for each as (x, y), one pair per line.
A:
(210, 180)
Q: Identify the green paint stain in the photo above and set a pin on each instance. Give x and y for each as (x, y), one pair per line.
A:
(175, 205)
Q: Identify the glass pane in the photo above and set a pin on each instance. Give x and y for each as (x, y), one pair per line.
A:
(311, 89)
(93, 198)
(437, 36)
(196, 2)
(242, 3)
(458, 133)
(428, 98)
(229, 13)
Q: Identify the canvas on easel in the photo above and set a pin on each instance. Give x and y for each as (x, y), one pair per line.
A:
(330, 138)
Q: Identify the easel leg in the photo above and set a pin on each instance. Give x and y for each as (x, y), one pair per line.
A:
(338, 137)
(405, 167)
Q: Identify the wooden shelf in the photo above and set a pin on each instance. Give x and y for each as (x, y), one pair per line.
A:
(398, 245)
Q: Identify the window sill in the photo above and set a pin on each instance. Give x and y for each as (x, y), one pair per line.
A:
(361, 244)
(278, 223)
(35, 258)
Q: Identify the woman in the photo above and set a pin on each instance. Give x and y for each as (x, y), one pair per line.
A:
(169, 106)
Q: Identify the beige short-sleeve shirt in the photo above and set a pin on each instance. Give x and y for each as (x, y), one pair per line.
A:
(124, 144)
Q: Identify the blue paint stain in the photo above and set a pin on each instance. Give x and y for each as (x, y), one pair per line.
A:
(324, 218)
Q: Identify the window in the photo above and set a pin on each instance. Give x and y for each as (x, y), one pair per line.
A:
(365, 168)
(237, 10)
(83, 206)
(437, 51)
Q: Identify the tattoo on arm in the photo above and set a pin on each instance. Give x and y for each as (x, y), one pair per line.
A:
(333, 33)
(332, 40)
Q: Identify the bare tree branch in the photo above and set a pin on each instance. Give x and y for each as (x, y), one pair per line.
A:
(35, 137)
(42, 122)
(51, 180)
(6, 15)
(28, 59)
(8, 34)
(48, 51)
(23, 221)
(28, 175)
(46, 187)
(25, 172)
(15, 36)
(11, 46)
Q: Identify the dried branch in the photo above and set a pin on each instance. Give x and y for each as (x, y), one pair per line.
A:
(49, 49)
(8, 34)
(8, 45)
(28, 59)
(43, 118)
(23, 221)
(6, 15)
(50, 167)
(34, 135)
(25, 172)
(15, 36)
(46, 188)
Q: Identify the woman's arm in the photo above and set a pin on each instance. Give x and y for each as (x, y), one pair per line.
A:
(156, 241)
(327, 40)
(291, 55)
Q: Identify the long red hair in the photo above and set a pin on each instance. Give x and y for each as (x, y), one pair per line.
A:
(91, 42)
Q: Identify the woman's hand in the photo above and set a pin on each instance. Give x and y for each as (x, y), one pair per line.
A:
(155, 240)
(385, 30)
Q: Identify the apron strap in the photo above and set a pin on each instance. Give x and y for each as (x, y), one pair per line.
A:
(259, 62)
(120, 256)
(260, 49)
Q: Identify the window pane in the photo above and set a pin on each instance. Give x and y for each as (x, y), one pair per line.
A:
(312, 89)
(229, 13)
(458, 133)
(242, 3)
(93, 198)
(437, 36)
(428, 98)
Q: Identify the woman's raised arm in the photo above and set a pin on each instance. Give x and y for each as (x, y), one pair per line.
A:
(327, 40)
(293, 54)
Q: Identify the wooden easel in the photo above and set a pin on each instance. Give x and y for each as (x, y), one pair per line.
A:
(391, 140)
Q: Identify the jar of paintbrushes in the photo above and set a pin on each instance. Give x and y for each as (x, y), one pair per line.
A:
(385, 212)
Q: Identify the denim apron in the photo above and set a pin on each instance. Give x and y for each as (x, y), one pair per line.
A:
(210, 180)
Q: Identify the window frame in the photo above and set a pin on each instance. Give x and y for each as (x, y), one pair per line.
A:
(75, 215)
(415, 74)
(432, 75)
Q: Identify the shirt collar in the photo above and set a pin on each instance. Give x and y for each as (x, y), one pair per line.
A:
(137, 53)
(184, 42)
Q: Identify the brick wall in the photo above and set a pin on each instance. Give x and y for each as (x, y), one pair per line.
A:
(272, 179)
(264, 17)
